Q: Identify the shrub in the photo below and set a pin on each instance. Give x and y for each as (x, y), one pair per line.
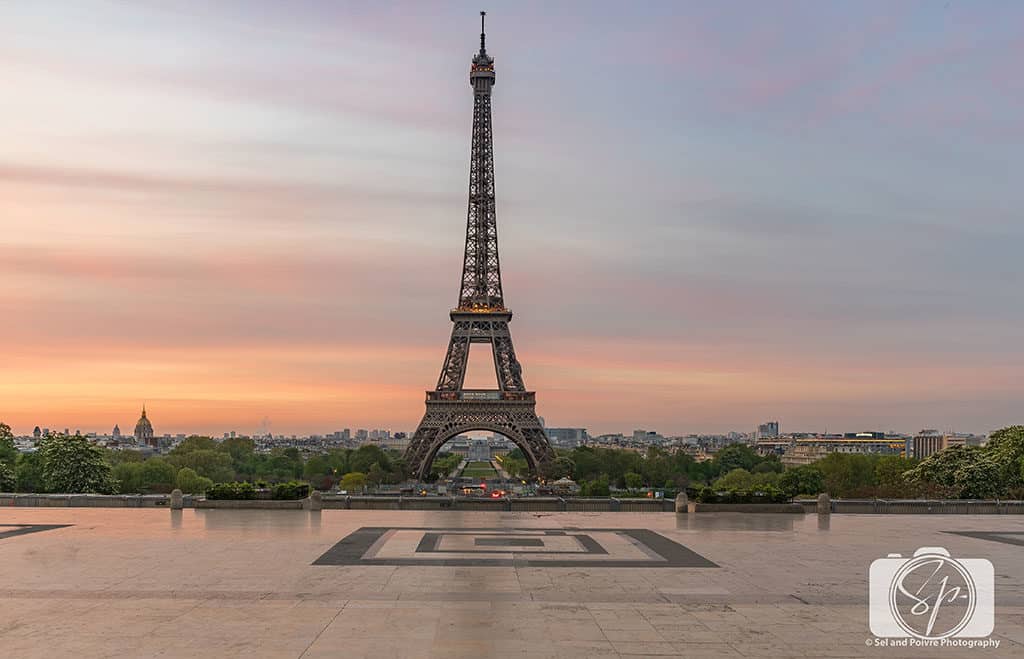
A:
(759, 494)
(290, 490)
(231, 491)
(706, 494)
(769, 494)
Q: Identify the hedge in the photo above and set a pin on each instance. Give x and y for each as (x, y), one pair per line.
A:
(290, 490)
(231, 491)
(761, 494)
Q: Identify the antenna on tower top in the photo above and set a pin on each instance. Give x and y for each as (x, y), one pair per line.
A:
(483, 49)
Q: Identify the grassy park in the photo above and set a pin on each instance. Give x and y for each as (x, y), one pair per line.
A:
(479, 470)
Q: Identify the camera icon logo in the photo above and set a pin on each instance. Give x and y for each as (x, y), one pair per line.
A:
(931, 596)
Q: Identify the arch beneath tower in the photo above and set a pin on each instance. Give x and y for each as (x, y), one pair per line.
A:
(531, 460)
(446, 420)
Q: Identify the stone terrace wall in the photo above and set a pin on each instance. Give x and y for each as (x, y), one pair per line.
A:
(90, 500)
(525, 504)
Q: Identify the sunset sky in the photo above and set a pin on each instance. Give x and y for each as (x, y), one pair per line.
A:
(711, 214)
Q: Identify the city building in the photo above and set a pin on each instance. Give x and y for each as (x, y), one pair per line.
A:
(777, 446)
(567, 437)
(647, 437)
(811, 449)
(930, 441)
(926, 442)
(144, 430)
(479, 451)
(768, 430)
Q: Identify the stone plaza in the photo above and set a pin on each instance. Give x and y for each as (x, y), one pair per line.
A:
(352, 583)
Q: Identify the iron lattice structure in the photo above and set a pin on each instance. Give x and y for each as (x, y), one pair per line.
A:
(480, 317)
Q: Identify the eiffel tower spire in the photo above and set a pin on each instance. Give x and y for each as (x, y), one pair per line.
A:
(481, 273)
(480, 317)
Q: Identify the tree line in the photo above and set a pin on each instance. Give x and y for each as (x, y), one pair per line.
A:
(993, 471)
(72, 464)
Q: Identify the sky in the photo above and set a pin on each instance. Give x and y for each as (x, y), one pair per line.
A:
(251, 215)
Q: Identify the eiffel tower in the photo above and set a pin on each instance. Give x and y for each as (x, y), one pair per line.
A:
(481, 317)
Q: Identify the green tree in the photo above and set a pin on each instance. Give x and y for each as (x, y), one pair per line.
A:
(29, 472)
(599, 487)
(634, 481)
(981, 479)
(282, 465)
(560, 467)
(209, 463)
(8, 479)
(118, 457)
(195, 443)
(806, 479)
(353, 480)
(376, 475)
(936, 475)
(889, 470)
(190, 482)
(315, 466)
(736, 456)
(656, 466)
(338, 460)
(1006, 448)
(129, 477)
(590, 463)
(8, 459)
(8, 452)
(992, 471)
(365, 456)
(848, 474)
(769, 465)
(736, 479)
(399, 469)
(71, 464)
(158, 476)
(241, 449)
(318, 472)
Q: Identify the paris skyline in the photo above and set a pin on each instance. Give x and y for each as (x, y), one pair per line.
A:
(244, 214)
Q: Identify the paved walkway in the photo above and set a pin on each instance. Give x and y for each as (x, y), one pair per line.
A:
(227, 583)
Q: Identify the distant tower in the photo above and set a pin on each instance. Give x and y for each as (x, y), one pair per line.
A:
(37, 433)
(144, 429)
(480, 317)
(116, 433)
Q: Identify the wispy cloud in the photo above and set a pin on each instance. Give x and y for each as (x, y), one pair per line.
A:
(709, 213)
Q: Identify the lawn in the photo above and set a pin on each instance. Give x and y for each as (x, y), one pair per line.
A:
(479, 470)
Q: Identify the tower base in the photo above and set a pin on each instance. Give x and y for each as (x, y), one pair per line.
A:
(448, 414)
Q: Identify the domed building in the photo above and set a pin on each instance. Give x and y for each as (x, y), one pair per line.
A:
(144, 430)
